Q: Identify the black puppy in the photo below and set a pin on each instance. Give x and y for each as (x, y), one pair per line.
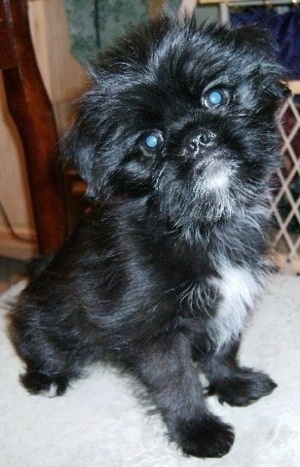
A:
(177, 141)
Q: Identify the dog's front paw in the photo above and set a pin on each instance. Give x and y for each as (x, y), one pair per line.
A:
(243, 388)
(38, 383)
(208, 437)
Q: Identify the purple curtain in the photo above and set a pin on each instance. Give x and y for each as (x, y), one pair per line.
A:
(285, 28)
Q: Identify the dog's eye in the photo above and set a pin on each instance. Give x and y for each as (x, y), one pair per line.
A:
(215, 98)
(152, 141)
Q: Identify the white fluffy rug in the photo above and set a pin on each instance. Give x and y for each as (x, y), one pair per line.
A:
(99, 422)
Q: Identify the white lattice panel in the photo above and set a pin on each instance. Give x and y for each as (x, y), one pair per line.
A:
(286, 203)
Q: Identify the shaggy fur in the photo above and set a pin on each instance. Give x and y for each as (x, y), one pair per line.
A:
(177, 141)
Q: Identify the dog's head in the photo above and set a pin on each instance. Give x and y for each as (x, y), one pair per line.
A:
(182, 116)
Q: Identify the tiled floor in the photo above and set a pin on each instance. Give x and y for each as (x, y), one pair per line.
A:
(11, 271)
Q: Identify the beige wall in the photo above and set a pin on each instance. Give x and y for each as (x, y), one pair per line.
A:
(64, 79)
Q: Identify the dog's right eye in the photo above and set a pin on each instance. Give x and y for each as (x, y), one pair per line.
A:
(152, 141)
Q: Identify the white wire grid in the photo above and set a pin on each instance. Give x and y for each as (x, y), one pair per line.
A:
(286, 202)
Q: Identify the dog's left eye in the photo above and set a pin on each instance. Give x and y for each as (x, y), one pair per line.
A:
(215, 98)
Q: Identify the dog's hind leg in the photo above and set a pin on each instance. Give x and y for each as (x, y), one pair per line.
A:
(52, 361)
(37, 382)
(49, 374)
(233, 384)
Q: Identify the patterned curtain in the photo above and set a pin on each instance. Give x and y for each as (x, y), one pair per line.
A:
(94, 24)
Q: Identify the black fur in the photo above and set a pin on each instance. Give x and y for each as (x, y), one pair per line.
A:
(162, 274)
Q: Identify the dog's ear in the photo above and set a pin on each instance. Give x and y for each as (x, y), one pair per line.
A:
(263, 51)
(78, 150)
(255, 38)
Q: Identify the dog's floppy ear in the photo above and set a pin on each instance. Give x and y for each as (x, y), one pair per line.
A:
(264, 50)
(77, 149)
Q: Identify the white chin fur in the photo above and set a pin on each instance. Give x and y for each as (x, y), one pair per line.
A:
(216, 176)
(212, 187)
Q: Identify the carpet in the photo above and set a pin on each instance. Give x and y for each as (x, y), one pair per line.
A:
(100, 423)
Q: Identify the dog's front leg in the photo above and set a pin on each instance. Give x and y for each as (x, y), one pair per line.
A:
(233, 384)
(171, 377)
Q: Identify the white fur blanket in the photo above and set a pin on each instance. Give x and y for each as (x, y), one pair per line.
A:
(100, 423)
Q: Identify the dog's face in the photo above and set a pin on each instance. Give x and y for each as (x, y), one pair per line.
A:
(183, 117)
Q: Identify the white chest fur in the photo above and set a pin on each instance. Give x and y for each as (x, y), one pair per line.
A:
(238, 290)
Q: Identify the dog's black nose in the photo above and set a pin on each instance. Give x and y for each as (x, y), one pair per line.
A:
(199, 140)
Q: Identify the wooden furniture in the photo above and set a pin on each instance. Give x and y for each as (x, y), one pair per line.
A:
(31, 110)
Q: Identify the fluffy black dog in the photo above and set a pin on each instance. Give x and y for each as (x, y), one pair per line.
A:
(177, 141)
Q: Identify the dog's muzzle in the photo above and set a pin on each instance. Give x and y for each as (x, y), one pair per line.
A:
(209, 160)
